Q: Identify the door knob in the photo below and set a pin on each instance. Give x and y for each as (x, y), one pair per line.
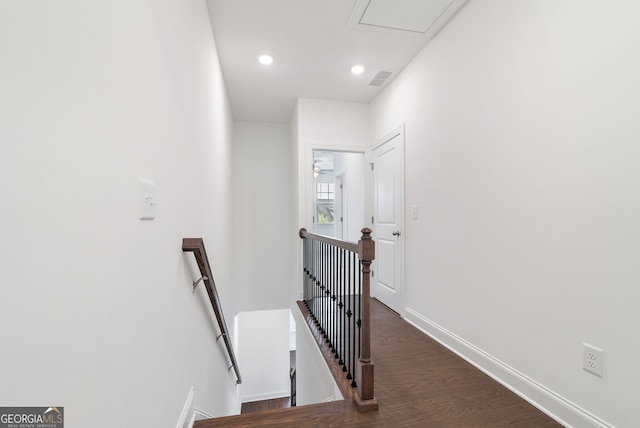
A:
(396, 233)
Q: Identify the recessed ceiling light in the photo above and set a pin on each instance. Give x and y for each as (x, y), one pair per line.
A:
(265, 59)
(357, 69)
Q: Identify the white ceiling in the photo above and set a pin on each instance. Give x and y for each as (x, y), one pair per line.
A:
(315, 43)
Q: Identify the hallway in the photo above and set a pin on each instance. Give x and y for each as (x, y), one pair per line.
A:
(419, 383)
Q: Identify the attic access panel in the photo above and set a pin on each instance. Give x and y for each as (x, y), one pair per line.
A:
(419, 17)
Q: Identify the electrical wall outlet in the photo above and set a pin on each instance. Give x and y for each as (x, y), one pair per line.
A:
(592, 359)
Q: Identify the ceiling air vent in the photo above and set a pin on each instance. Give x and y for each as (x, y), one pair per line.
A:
(380, 77)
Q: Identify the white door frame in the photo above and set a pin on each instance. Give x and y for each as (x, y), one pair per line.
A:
(400, 288)
(340, 212)
(306, 200)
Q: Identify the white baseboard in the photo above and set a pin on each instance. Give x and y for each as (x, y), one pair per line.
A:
(266, 396)
(557, 407)
(186, 417)
(201, 414)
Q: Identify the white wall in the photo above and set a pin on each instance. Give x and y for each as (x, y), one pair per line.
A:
(261, 205)
(263, 354)
(296, 194)
(96, 309)
(318, 124)
(522, 155)
(330, 125)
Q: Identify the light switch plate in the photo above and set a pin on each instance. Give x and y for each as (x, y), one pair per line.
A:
(147, 200)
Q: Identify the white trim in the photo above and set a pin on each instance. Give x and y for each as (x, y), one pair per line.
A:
(388, 137)
(266, 396)
(559, 408)
(201, 414)
(187, 410)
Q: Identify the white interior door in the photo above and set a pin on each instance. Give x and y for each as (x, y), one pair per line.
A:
(388, 220)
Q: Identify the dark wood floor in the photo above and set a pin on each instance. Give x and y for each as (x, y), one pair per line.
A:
(418, 383)
(259, 406)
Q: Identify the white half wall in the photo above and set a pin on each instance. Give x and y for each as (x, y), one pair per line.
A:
(314, 381)
(97, 312)
(263, 354)
(522, 156)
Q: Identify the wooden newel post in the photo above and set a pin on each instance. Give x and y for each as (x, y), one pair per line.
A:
(364, 396)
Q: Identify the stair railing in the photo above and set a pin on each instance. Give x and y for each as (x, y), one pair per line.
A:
(336, 292)
(196, 246)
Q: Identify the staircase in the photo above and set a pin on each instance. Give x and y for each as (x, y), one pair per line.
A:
(418, 383)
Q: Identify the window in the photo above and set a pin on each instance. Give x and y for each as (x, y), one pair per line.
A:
(324, 191)
(324, 203)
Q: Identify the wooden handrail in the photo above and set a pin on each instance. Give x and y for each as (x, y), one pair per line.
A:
(196, 246)
(349, 246)
(365, 250)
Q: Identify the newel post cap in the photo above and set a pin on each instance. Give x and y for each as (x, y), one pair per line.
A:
(366, 246)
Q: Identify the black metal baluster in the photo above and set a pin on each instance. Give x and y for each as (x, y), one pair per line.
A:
(345, 325)
(350, 326)
(308, 245)
(332, 277)
(327, 274)
(358, 316)
(347, 316)
(313, 278)
(340, 308)
(310, 269)
(322, 286)
(327, 286)
(311, 273)
(319, 283)
(304, 270)
(316, 278)
(332, 298)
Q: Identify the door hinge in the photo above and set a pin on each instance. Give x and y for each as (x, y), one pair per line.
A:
(341, 219)
(372, 220)
(342, 186)
(373, 272)
(371, 163)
